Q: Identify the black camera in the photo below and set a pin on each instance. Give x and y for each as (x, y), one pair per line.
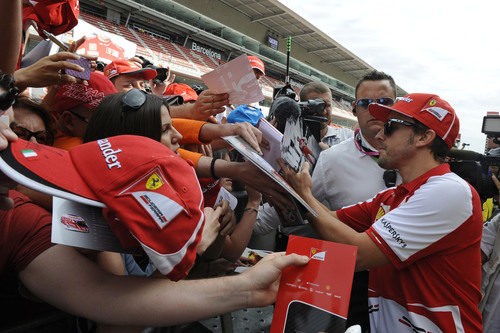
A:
(161, 72)
(285, 106)
(476, 168)
(100, 66)
(161, 75)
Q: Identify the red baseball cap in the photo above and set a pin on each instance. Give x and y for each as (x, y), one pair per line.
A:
(124, 66)
(152, 196)
(71, 95)
(183, 90)
(257, 64)
(429, 109)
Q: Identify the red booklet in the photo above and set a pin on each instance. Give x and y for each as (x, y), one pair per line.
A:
(315, 297)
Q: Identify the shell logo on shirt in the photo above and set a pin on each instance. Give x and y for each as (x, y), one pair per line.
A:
(380, 213)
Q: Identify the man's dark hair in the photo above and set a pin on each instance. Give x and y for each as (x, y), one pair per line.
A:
(438, 147)
(315, 86)
(109, 119)
(376, 76)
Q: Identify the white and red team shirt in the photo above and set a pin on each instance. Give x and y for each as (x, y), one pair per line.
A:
(102, 48)
(430, 230)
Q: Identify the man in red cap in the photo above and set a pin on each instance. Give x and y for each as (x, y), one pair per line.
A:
(73, 106)
(421, 239)
(186, 92)
(257, 66)
(127, 74)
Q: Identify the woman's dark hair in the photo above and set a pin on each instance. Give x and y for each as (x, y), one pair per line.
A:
(35, 107)
(111, 119)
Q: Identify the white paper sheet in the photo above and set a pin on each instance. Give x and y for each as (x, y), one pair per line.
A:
(274, 137)
(98, 236)
(237, 79)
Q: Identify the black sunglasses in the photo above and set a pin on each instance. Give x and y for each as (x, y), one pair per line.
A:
(43, 137)
(392, 124)
(133, 100)
(364, 102)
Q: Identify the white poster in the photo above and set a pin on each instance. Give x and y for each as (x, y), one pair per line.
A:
(102, 44)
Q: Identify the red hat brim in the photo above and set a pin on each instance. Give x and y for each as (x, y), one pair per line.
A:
(46, 169)
(146, 73)
(381, 112)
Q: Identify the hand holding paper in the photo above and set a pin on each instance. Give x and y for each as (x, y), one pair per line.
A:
(237, 79)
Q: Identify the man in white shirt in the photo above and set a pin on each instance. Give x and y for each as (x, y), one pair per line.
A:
(329, 135)
(348, 173)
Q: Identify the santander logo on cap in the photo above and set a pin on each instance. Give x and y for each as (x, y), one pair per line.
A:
(405, 99)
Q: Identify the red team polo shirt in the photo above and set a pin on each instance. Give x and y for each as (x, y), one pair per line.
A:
(430, 229)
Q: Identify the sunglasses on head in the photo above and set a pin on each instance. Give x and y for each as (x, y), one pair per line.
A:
(42, 137)
(133, 100)
(364, 102)
(392, 124)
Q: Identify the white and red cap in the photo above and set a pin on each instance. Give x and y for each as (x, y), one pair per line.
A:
(128, 67)
(152, 196)
(429, 109)
(257, 64)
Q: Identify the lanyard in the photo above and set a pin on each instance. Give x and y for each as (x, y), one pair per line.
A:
(359, 146)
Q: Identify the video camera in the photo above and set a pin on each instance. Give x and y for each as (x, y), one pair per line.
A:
(285, 106)
(477, 168)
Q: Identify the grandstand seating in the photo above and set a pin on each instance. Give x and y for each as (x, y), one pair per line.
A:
(178, 57)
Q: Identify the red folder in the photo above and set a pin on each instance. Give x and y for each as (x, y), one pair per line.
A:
(315, 297)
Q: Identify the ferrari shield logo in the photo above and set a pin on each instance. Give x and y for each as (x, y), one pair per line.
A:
(154, 182)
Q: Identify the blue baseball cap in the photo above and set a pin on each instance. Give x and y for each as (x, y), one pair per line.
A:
(245, 113)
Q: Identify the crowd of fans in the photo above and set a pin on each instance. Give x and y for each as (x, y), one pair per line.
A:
(382, 187)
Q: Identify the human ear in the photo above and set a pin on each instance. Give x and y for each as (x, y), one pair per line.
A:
(426, 138)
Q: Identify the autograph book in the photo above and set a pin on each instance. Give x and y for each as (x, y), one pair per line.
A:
(251, 155)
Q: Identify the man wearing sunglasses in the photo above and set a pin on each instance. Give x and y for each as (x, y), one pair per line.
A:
(73, 106)
(420, 240)
(348, 172)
